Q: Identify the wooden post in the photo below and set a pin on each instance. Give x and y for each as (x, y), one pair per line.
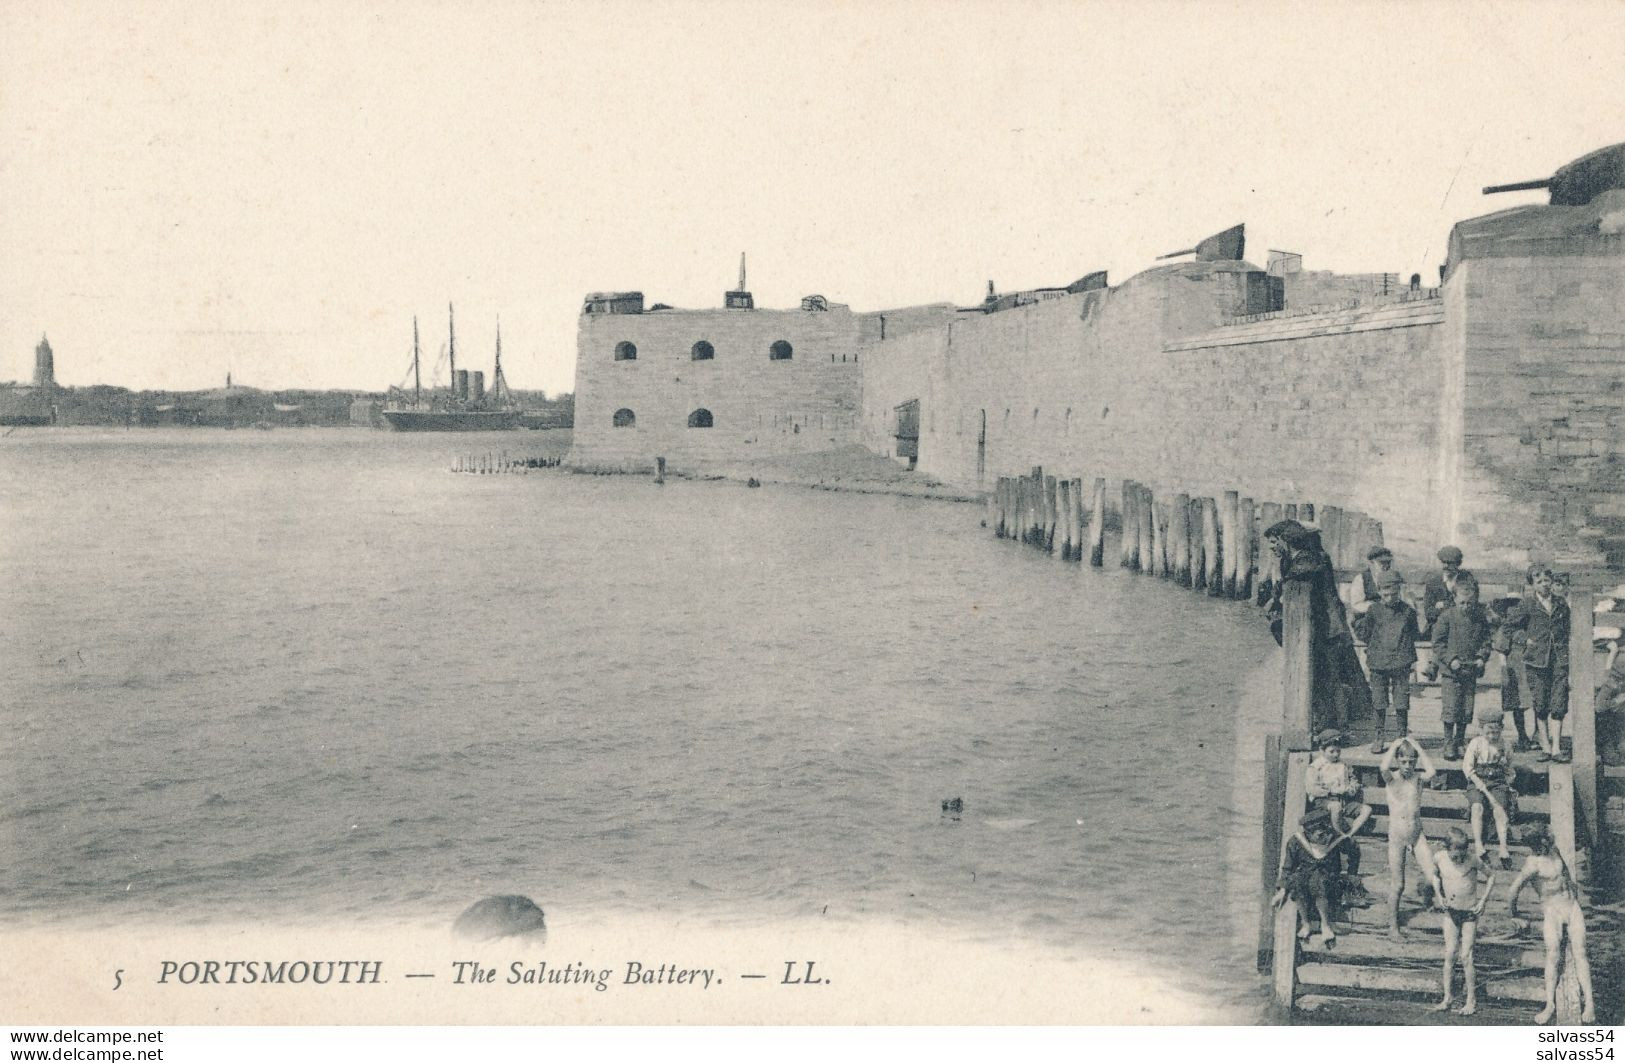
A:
(1298, 670)
(1230, 531)
(1306, 512)
(1130, 525)
(1270, 856)
(660, 470)
(1142, 513)
(1246, 543)
(1560, 800)
(1331, 536)
(1198, 545)
(1289, 512)
(1156, 534)
(1078, 526)
(1052, 511)
(1160, 531)
(1211, 547)
(1063, 517)
(1270, 513)
(1036, 525)
(1097, 524)
(1179, 523)
(1583, 714)
(1285, 961)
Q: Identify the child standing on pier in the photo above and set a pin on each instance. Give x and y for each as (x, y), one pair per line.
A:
(1543, 618)
(1389, 630)
(1461, 647)
(1461, 893)
(1439, 592)
(1560, 901)
(1403, 784)
(1489, 771)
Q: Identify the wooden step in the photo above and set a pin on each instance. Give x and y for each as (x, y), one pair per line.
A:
(1332, 1009)
(1367, 946)
(1455, 800)
(1491, 985)
(1436, 827)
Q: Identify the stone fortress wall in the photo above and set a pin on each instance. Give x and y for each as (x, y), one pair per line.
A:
(1489, 412)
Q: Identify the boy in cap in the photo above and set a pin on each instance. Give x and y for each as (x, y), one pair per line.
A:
(1543, 618)
(1330, 784)
(1461, 648)
(1378, 560)
(1439, 593)
(1509, 642)
(1389, 630)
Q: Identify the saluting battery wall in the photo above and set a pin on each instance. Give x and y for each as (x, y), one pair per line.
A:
(1489, 413)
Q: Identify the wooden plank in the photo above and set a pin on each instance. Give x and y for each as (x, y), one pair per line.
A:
(1142, 513)
(1052, 511)
(1397, 980)
(1270, 857)
(1298, 678)
(1284, 965)
(1179, 523)
(1079, 527)
(1198, 546)
(1582, 713)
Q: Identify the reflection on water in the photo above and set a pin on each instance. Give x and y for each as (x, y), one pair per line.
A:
(313, 674)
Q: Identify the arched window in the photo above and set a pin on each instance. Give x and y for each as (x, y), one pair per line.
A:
(626, 351)
(780, 351)
(703, 351)
(625, 418)
(700, 419)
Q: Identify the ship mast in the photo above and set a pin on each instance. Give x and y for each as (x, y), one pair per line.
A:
(499, 386)
(451, 333)
(417, 379)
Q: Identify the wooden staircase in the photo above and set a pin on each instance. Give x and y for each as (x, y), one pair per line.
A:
(1367, 978)
(1370, 979)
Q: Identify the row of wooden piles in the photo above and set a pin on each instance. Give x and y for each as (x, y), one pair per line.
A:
(1206, 544)
(496, 462)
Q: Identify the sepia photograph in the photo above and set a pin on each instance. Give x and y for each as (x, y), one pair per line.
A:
(740, 513)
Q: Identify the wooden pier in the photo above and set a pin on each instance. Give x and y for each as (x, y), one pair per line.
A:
(1368, 978)
(1213, 546)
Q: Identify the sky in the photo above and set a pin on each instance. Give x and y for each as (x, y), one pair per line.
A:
(275, 190)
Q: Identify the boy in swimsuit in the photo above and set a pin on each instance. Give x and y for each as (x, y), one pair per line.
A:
(1456, 879)
(1403, 783)
(1488, 767)
(1560, 898)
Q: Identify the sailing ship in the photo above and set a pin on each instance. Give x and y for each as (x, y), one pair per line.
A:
(465, 407)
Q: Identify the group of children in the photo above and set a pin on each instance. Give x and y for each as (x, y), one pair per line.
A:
(1458, 882)
(1531, 634)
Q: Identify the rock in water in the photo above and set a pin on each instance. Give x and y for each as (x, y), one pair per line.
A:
(499, 917)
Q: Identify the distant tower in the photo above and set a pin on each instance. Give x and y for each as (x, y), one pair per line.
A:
(739, 299)
(44, 364)
(228, 380)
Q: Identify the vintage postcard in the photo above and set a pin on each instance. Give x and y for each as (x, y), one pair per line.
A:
(722, 513)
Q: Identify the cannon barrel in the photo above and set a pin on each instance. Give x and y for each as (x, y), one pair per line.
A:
(1176, 254)
(1519, 186)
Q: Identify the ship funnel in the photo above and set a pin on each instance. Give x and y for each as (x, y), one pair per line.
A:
(459, 386)
(476, 381)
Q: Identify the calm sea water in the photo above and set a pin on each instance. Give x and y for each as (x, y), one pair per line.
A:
(311, 673)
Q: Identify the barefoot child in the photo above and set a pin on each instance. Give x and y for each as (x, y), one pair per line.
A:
(1311, 873)
(1488, 767)
(1331, 784)
(1560, 899)
(1460, 896)
(1404, 790)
